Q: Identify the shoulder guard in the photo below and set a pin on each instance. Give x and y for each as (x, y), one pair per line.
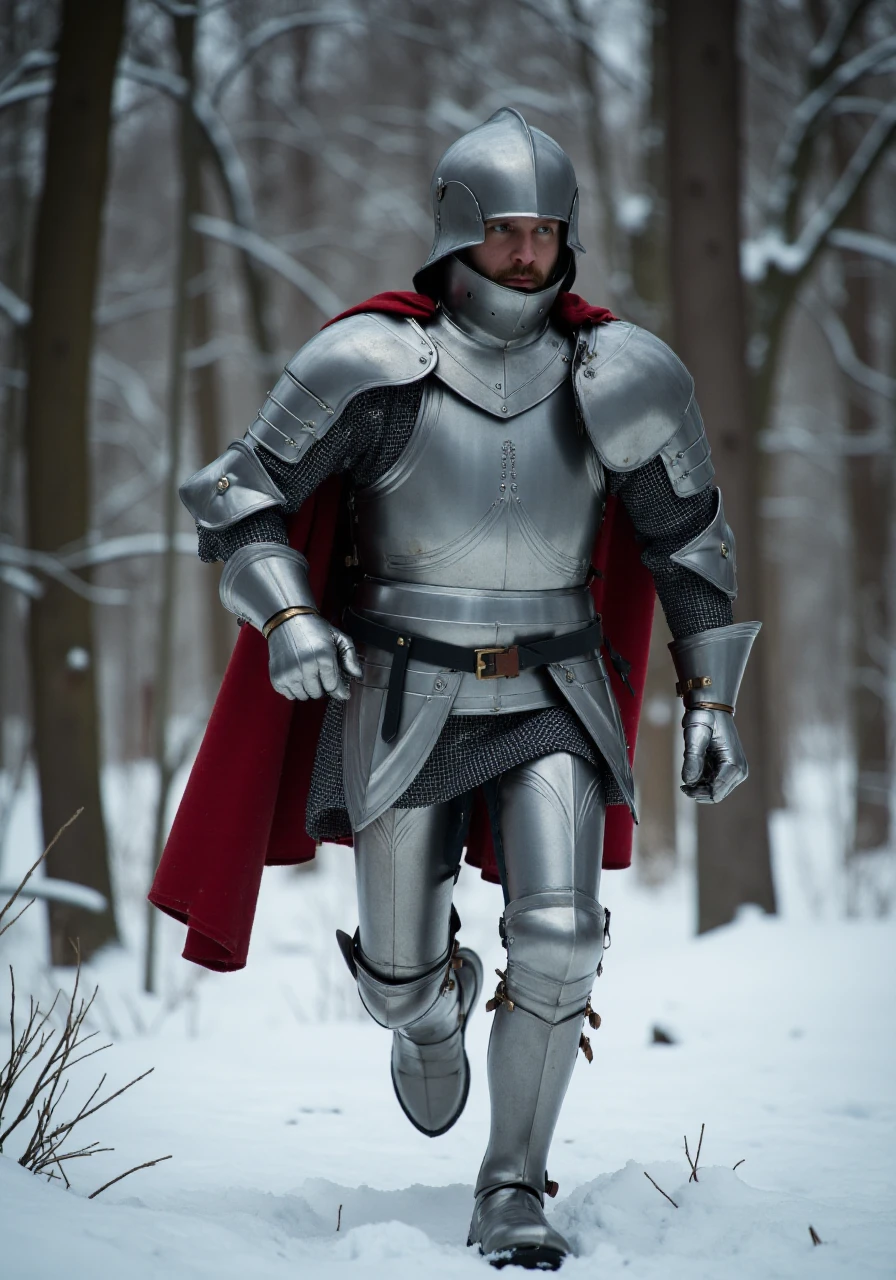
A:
(232, 487)
(346, 358)
(637, 401)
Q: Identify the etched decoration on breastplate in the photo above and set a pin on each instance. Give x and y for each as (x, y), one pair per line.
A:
(475, 502)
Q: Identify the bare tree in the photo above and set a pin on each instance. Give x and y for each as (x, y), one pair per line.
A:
(733, 858)
(60, 336)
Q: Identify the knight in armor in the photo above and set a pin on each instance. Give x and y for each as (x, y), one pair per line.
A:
(480, 446)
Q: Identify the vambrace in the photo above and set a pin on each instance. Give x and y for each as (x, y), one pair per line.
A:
(262, 579)
(710, 665)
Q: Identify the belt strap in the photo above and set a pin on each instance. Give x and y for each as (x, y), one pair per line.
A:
(488, 663)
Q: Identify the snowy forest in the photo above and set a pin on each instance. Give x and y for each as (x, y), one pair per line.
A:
(188, 192)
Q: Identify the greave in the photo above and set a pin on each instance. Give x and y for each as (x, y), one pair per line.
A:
(554, 942)
(427, 1015)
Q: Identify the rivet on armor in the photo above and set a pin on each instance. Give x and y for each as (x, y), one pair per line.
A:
(401, 640)
(570, 676)
(540, 309)
(497, 386)
(589, 373)
(565, 359)
(512, 488)
(423, 359)
(503, 487)
(223, 485)
(439, 684)
(469, 295)
(724, 550)
(503, 408)
(440, 189)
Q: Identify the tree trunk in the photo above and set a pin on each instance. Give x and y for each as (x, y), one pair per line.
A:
(185, 39)
(66, 255)
(733, 857)
(207, 400)
(659, 737)
(869, 478)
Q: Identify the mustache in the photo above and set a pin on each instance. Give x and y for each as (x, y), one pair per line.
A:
(521, 273)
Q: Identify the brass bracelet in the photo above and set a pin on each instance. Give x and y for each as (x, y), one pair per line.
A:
(711, 706)
(284, 615)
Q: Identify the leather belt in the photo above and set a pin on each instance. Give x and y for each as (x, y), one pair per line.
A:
(491, 663)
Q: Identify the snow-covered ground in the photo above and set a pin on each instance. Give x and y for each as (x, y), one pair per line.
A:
(291, 1157)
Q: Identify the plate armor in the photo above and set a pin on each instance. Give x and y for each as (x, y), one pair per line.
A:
(479, 535)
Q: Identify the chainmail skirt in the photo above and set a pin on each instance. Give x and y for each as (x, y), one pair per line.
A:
(470, 750)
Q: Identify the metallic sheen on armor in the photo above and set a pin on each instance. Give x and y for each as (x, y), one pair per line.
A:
(527, 499)
(503, 378)
(712, 553)
(637, 401)
(376, 773)
(492, 314)
(720, 656)
(346, 358)
(499, 169)
(232, 487)
(261, 579)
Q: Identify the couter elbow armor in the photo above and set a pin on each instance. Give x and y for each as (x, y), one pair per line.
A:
(234, 486)
(711, 554)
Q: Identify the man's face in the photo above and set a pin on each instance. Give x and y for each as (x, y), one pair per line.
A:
(520, 253)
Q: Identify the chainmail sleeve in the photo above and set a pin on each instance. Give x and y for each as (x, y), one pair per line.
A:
(366, 440)
(664, 523)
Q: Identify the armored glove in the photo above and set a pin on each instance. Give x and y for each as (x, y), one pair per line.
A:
(710, 666)
(266, 583)
(308, 658)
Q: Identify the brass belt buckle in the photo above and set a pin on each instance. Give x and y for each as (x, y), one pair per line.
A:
(495, 669)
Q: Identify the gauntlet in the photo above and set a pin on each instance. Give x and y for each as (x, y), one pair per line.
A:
(710, 666)
(266, 584)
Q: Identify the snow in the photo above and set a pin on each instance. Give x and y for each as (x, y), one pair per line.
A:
(271, 1091)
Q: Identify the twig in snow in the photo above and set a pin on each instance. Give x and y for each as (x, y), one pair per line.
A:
(693, 1163)
(814, 1236)
(32, 869)
(147, 1165)
(339, 1219)
(740, 1162)
(660, 1190)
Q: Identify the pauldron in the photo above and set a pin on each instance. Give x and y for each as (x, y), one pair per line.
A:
(637, 402)
(337, 364)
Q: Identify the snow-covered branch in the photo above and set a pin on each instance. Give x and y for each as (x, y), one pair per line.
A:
(838, 339)
(820, 223)
(14, 307)
(23, 559)
(271, 256)
(74, 895)
(271, 30)
(34, 60)
(771, 249)
(583, 35)
(844, 15)
(806, 116)
(25, 92)
(865, 242)
(127, 547)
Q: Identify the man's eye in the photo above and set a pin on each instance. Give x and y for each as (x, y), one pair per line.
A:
(501, 226)
(547, 231)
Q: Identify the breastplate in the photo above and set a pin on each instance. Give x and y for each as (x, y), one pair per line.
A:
(479, 500)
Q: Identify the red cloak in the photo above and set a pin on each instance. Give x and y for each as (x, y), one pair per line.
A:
(244, 805)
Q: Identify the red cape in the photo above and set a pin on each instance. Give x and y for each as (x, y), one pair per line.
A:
(244, 805)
